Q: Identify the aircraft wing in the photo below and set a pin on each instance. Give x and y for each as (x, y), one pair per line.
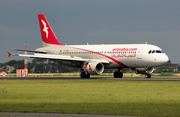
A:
(60, 57)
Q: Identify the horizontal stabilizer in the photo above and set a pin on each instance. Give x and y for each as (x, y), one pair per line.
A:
(30, 51)
(9, 54)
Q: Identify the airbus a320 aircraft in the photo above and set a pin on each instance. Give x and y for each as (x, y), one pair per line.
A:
(93, 59)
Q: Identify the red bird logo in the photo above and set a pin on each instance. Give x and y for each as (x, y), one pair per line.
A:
(45, 28)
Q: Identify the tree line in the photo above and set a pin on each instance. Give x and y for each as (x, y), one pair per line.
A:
(39, 66)
(47, 66)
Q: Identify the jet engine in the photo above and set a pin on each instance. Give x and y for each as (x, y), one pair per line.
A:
(93, 68)
(148, 70)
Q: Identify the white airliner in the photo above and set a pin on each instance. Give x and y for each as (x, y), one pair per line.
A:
(93, 59)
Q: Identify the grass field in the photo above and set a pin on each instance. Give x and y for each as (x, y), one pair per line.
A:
(139, 98)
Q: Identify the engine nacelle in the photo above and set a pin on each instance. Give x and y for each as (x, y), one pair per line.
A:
(94, 68)
(148, 70)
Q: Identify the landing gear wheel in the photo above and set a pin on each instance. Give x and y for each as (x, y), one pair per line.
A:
(118, 74)
(115, 74)
(148, 75)
(87, 75)
(84, 75)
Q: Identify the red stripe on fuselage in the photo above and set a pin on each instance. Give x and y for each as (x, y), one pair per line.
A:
(116, 61)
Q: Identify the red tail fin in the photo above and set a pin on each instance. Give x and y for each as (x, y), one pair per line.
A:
(47, 34)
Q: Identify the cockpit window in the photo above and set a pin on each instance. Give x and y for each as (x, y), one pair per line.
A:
(155, 51)
(149, 52)
(158, 51)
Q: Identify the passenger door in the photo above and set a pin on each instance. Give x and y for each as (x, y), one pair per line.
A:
(139, 52)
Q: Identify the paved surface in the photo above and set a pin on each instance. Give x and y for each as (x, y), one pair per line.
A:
(119, 79)
(9, 114)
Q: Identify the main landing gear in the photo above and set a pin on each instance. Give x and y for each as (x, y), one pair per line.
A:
(118, 74)
(148, 75)
(85, 75)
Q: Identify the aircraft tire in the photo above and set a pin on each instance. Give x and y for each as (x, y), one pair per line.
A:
(148, 75)
(120, 74)
(87, 75)
(83, 75)
(116, 75)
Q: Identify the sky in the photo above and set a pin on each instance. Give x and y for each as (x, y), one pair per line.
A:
(77, 22)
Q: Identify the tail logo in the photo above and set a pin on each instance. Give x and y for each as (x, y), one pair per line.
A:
(45, 29)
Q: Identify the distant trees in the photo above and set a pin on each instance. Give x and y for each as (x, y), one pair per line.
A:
(17, 64)
(40, 66)
(47, 66)
(1, 64)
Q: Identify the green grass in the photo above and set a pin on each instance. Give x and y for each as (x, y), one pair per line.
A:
(166, 74)
(139, 98)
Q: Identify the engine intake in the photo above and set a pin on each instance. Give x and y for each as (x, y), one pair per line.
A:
(93, 68)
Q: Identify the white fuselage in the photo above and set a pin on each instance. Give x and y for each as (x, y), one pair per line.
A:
(119, 55)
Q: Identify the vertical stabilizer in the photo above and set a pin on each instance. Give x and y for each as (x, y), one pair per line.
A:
(47, 34)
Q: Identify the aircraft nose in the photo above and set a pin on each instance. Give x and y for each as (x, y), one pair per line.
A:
(164, 59)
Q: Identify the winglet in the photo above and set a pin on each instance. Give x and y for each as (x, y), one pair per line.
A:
(9, 54)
